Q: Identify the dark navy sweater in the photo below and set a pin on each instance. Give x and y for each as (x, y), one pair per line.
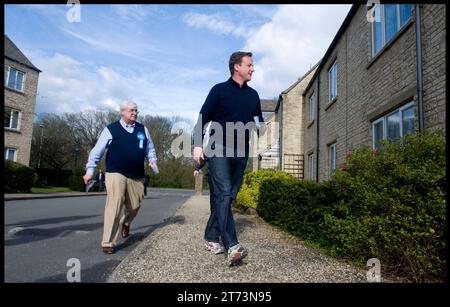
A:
(124, 154)
(229, 102)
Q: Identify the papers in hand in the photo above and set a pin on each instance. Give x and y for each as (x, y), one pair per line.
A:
(261, 128)
(256, 119)
(155, 169)
(89, 185)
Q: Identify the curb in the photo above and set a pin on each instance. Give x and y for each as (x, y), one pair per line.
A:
(44, 196)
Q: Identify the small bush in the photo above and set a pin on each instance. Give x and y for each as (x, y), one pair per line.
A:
(19, 178)
(248, 196)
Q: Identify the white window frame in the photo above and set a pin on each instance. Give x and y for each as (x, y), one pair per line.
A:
(19, 119)
(384, 120)
(311, 107)
(382, 17)
(311, 166)
(8, 71)
(7, 149)
(333, 81)
(331, 158)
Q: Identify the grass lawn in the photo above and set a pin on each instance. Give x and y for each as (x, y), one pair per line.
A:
(50, 189)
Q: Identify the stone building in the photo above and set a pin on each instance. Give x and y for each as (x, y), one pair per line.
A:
(265, 149)
(291, 128)
(383, 76)
(21, 80)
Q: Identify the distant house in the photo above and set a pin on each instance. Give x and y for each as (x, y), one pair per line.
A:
(21, 79)
(290, 110)
(380, 78)
(282, 146)
(265, 148)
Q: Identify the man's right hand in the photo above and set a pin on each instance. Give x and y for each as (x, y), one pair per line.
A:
(86, 178)
(198, 155)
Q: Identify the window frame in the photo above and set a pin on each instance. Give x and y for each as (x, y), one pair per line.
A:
(400, 26)
(331, 158)
(7, 149)
(384, 120)
(19, 118)
(22, 85)
(332, 75)
(311, 107)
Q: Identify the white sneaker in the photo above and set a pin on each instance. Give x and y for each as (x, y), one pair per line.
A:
(214, 247)
(236, 253)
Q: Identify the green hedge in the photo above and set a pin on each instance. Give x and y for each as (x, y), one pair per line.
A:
(19, 178)
(248, 195)
(76, 182)
(393, 207)
(388, 204)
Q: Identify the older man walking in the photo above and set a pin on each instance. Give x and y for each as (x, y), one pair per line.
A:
(128, 143)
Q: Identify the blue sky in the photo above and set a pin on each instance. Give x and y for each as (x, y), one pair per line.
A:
(165, 57)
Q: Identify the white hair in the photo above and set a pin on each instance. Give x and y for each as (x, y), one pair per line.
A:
(126, 105)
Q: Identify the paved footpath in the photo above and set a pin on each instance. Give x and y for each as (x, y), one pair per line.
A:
(174, 253)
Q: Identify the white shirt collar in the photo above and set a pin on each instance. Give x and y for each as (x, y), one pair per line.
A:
(124, 124)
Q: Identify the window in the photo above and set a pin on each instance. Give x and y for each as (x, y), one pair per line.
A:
(311, 107)
(311, 172)
(332, 82)
(12, 118)
(331, 158)
(394, 125)
(389, 19)
(10, 154)
(14, 79)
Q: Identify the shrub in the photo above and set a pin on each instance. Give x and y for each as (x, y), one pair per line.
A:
(388, 204)
(19, 178)
(248, 196)
(392, 207)
(76, 182)
(298, 206)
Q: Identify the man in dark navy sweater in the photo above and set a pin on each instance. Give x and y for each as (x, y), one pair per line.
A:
(232, 107)
(128, 143)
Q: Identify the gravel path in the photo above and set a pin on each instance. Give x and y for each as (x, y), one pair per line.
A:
(174, 253)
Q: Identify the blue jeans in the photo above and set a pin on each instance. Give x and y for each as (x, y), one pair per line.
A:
(225, 179)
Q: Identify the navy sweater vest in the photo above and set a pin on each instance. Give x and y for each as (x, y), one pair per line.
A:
(124, 155)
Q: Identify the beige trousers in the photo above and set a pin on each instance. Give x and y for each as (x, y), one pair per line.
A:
(120, 190)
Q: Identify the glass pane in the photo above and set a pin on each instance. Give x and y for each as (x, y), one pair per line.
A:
(12, 78)
(10, 154)
(330, 83)
(378, 133)
(405, 11)
(377, 36)
(15, 119)
(390, 13)
(334, 80)
(19, 81)
(6, 74)
(6, 152)
(393, 127)
(311, 108)
(408, 120)
(311, 166)
(332, 157)
(7, 117)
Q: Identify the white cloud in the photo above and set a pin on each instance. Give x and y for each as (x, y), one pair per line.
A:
(294, 40)
(67, 85)
(216, 24)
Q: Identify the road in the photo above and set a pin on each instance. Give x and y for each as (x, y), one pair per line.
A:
(42, 235)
